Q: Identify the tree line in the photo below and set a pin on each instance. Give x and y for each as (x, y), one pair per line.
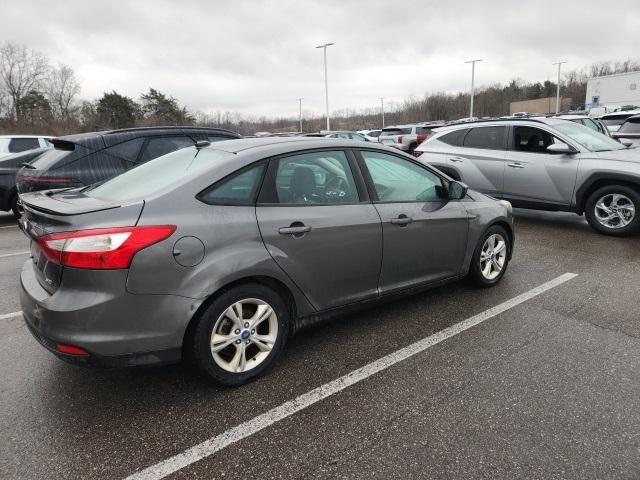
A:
(37, 96)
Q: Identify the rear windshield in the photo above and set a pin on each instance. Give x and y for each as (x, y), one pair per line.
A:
(156, 175)
(396, 131)
(613, 120)
(630, 126)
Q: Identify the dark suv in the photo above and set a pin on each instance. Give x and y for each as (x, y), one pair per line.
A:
(88, 158)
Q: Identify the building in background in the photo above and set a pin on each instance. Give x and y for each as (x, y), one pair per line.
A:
(612, 91)
(540, 105)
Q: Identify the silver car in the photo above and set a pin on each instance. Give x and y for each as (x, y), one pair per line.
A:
(545, 164)
(219, 253)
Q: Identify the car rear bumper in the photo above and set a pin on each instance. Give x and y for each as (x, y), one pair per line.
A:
(116, 329)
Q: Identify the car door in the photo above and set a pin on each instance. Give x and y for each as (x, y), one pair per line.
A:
(534, 177)
(424, 233)
(481, 158)
(319, 227)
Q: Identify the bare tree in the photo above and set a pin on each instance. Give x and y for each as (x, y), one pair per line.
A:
(21, 71)
(61, 88)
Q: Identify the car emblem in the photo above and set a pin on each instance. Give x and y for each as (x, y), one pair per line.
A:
(245, 334)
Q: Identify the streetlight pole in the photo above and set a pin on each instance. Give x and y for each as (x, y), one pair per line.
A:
(300, 113)
(382, 109)
(326, 82)
(558, 89)
(473, 74)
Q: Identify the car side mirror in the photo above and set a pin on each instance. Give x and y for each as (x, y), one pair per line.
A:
(457, 190)
(560, 148)
(625, 141)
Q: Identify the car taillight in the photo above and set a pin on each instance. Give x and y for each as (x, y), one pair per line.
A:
(417, 153)
(101, 249)
(399, 140)
(56, 180)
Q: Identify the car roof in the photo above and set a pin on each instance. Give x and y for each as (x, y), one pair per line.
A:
(26, 136)
(570, 116)
(107, 138)
(620, 113)
(504, 121)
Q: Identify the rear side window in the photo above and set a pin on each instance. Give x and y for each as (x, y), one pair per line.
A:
(158, 146)
(22, 144)
(454, 138)
(240, 189)
(487, 138)
(127, 150)
(631, 126)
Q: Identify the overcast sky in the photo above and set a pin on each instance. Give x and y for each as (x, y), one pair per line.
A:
(258, 57)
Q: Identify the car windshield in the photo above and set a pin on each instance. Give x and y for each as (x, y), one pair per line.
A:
(589, 139)
(157, 174)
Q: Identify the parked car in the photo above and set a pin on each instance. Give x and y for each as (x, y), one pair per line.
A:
(614, 121)
(406, 137)
(87, 158)
(587, 122)
(371, 135)
(629, 132)
(9, 166)
(19, 143)
(545, 164)
(220, 253)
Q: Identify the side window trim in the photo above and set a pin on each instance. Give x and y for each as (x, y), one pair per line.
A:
(267, 196)
(373, 194)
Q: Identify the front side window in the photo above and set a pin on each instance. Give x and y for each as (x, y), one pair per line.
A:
(316, 178)
(532, 140)
(23, 144)
(398, 180)
(375, 133)
(240, 189)
(158, 146)
(357, 136)
(487, 138)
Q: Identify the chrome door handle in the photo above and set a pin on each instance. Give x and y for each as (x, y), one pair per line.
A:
(294, 230)
(402, 220)
(515, 165)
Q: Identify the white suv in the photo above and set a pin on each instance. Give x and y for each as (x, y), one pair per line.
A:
(19, 143)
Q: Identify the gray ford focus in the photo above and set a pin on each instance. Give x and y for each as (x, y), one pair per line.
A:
(217, 254)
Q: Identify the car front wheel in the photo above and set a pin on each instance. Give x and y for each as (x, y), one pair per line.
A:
(240, 334)
(490, 258)
(612, 210)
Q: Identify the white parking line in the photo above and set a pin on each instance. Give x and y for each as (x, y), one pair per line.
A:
(6, 316)
(5, 255)
(256, 424)
(9, 226)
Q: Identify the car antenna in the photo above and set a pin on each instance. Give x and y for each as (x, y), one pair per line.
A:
(202, 144)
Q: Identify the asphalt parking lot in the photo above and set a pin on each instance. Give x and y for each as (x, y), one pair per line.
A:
(548, 388)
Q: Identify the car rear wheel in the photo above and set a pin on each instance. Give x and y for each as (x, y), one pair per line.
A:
(240, 334)
(490, 258)
(613, 210)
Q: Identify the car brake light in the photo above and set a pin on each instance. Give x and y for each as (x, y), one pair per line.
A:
(399, 140)
(101, 249)
(32, 179)
(71, 350)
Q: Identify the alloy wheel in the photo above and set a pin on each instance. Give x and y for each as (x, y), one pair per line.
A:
(244, 335)
(614, 210)
(493, 256)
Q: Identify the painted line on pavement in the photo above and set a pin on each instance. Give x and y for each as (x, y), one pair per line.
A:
(6, 255)
(256, 424)
(6, 316)
(9, 226)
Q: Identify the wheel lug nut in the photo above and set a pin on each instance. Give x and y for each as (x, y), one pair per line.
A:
(253, 332)
(246, 325)
(247, 341)
(238, 341)
(237, 331)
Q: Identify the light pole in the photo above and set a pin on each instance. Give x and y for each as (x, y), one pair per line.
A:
(382, 109)
(473, 91)
(558, 89)
(300, 113)
(326, 82)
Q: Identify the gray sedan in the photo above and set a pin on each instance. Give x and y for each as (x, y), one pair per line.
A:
(218, 253)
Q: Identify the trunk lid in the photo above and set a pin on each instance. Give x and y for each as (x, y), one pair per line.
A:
(52, 212)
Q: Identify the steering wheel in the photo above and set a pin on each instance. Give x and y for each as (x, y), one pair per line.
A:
(336, 189)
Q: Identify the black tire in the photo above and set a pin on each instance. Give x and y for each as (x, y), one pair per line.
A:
(14, 206)
(201, 354)
(590, 210)
(475, 271)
